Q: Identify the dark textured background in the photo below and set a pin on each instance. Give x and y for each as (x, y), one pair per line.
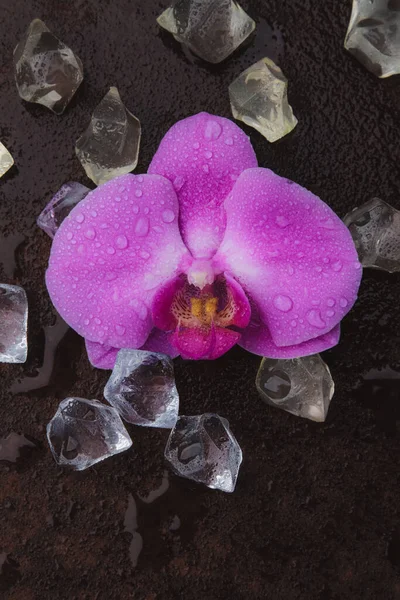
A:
(316, 511)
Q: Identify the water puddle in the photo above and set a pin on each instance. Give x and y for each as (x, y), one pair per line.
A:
(130, 524)
(153, 495)
(14, 446)
(9, 247)
(53, 336)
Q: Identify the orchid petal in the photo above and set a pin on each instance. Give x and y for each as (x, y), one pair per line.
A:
(203, 155)
(159, 341)
(292, 254)
(110, 256)
(196, 343)
(259, 341)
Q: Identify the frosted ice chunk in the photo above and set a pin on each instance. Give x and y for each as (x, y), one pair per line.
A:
(259, 99)
(375, 228)
(60, 206)
(212, 29)
(84, 432)
(110, 145)
(301, 386)
(373, 35)
(13, 324)
(6, 160)
(142, 388)
(203, 448)
(46, 70)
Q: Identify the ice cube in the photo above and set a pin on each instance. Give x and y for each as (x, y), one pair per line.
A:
(46, 70)
(212, 29)
(142, 388)
(375, 228)
(60, 206)
(203, 448)
(84, 432)
(6, 160)
(13, 324)
(110, 145)
(259, 99)
(373, 35)
(302, 386)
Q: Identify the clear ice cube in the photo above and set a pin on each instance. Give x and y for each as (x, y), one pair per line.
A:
(373, 35)
(13, 324)
(84, 432)
(142, 388)
(110, 145)
(46, 70)
(60, 206)
(6, 160)
(375, 228)
(203, 448)
(301, 386)
(212, 29)
(259, 99)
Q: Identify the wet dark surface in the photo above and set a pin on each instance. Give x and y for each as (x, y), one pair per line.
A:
(316, 511)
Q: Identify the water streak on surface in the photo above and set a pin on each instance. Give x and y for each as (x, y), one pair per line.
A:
(154, 494)
(130, 524)
(11, 446)
(53, 336)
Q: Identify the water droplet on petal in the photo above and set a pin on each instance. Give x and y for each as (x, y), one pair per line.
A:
(138, 193)
(90, 233)
(330, 313)
(212, 130)
(121, 242)
(283, 303)
(315, 319)
(168, 215)
(208, 154)
(343, 302)
(110, 250)
(290, 270)
(228, 141)
(144, 254)
(293, 323)
(331, 302)
(158, 229)
(337, 266)
(178, 183)
(86, 322)
(205, 168)
(140, 179)
(282, 221)
(80, 218)
(120, 329)
(328, 223)
(93, 213)
(97, 321)
(135, 209)
(196, 146)
(70, 235)
(142, 227)
(110, 276)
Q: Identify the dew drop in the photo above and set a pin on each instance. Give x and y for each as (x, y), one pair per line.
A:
(93, 213)
(144, 254)
(90, 233)
(315, 302)
(142, 227)
(328, 223)
(293, 323)
(138, 193)
(208, 154)
(212, 130)
(70, 235)
(337, 266)
(343, 302)
(110, 250)
(135, 209)
(120, 329)
(121, 242)
(110, 276)
(178, 183)
(140, 179)
(158, 229)
(228, 141)
(80, 218)
(146, 210)
(283, 303)
(205, 168)
(282, 221)
(196, 146)
(97, 321)
(315, 319)
(330, 313)
(318, 269)
(331, 302)
(290, 270)
(168, 215)
(118, 199)
(86, 322)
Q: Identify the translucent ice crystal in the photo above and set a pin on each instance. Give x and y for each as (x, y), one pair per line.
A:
(301, 386)
(6, 160)
(46, 70)
(259, 99)
(375, 228)
(203, 448)
(373, 35)
(142, 388)
(60, 206)
(212, 29)
(13, 324)
(84, 432)
(110, 145)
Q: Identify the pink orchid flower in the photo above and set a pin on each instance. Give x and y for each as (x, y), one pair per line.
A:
(205, 251)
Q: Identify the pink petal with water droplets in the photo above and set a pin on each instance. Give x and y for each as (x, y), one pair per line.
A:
(203, 155)
(196, 343)
(101, 355)
(159, 341)
(292, 255)
(259, 341)
(110, 256)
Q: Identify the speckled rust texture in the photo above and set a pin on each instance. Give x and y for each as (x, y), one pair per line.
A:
(316, 512)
